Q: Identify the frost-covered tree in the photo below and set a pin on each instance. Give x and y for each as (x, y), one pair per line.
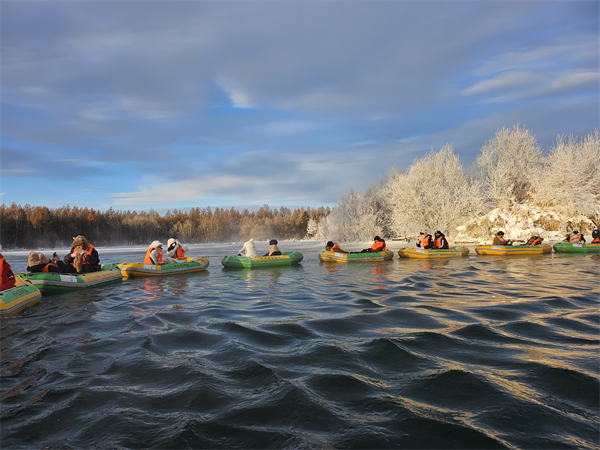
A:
(570, 181)
(358, 216)
(436, 192)
(509, 164)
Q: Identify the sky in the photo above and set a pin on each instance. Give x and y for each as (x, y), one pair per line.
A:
(176, 104)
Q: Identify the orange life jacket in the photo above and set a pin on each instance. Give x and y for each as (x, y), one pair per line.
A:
(536, 241)
(87, 251)
(148, 260)
(596, 241)
(579, 236)
(179, 253)
(438, 242)
(336, 247)
(378, 246)
(426, 240)
(45, 269)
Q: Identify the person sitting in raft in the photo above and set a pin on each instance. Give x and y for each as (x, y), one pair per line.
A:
(499, 239)
(154, 255)
(83, 256)
(273, 249)
(596, 236)
(39, 263)
(575, 237)
(331, 247)
(534, 240)
(378, 246)
(176, 250)
(425, 241)
(248, 249)
(8, 277)
(440, 240)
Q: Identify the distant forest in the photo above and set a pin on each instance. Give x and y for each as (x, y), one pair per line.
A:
(38, 226)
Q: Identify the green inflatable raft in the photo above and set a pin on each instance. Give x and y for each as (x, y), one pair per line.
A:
(568, 247)
(244, 262)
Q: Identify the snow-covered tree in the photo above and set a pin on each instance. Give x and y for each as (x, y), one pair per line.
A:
(570, 181)
(509, 164)
(436, 193)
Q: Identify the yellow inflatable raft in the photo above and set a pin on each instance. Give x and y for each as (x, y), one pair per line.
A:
(509, 250)
(356, 257)
(422, 253)
(19, 297)
(194, 264)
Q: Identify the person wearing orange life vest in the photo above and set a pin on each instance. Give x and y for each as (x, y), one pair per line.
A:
(39, 263)
(331, 247)
(378, 246)
(425, 241)
(499, 239)
(82, 250)
(440, 240)
(8, 277)
(596, 236)
(534, 240)
(176, 250)
(575, 237)
(154, 255)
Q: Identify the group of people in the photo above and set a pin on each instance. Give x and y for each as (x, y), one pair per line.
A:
(175, 253)
(83, 258)
(379, 245)
(426, 241)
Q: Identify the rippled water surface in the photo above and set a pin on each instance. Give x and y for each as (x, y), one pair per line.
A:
(479, 352)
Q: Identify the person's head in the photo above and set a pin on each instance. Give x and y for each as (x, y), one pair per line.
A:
(172, 241)
(576, 231)
(423, 232)
(329, 245)
(156, 244)
(377, 239)
(273, 242)
(33, 259)
(500, 233)
(80, 241)
(438, 233)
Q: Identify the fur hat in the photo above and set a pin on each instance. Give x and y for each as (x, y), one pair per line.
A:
(155, 244)
(33, 259)
(172, 241)
(423, 231)
(80, 241)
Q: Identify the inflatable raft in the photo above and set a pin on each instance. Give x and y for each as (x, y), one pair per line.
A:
(356, 257)
(568, 247)
(193, 264)
(55, 283)
(19, 297)
(244, 262)
(422, 253)
(509, 250)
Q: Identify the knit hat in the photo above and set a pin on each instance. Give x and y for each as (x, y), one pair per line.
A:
(376, 238)
(80, 241)
(155, 244)
(273, 242)
(500, 233)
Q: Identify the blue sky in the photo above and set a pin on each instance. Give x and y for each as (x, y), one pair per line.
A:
(163, 105)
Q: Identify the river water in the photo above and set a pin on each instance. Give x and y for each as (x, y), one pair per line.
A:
(479, 352)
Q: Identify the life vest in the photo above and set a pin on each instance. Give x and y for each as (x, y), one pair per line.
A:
(87, 251)
(378, 246)
(579, 236)
(179, 253)
(148, 260)
(502, 240)
(438, 242)
(45, 269)
(596, 241)
(8, 277)
(535, 241)
(426, 241)
(336, 247)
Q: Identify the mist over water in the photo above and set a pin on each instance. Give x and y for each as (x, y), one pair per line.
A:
(478, 352)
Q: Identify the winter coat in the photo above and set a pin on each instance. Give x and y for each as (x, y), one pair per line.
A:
(248, 249)
(273, 251)
(8, 277)
(426, 242)
(91, 259)
(177, 250)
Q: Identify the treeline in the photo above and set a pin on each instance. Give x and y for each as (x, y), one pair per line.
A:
(38, 226)
(437, 193)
